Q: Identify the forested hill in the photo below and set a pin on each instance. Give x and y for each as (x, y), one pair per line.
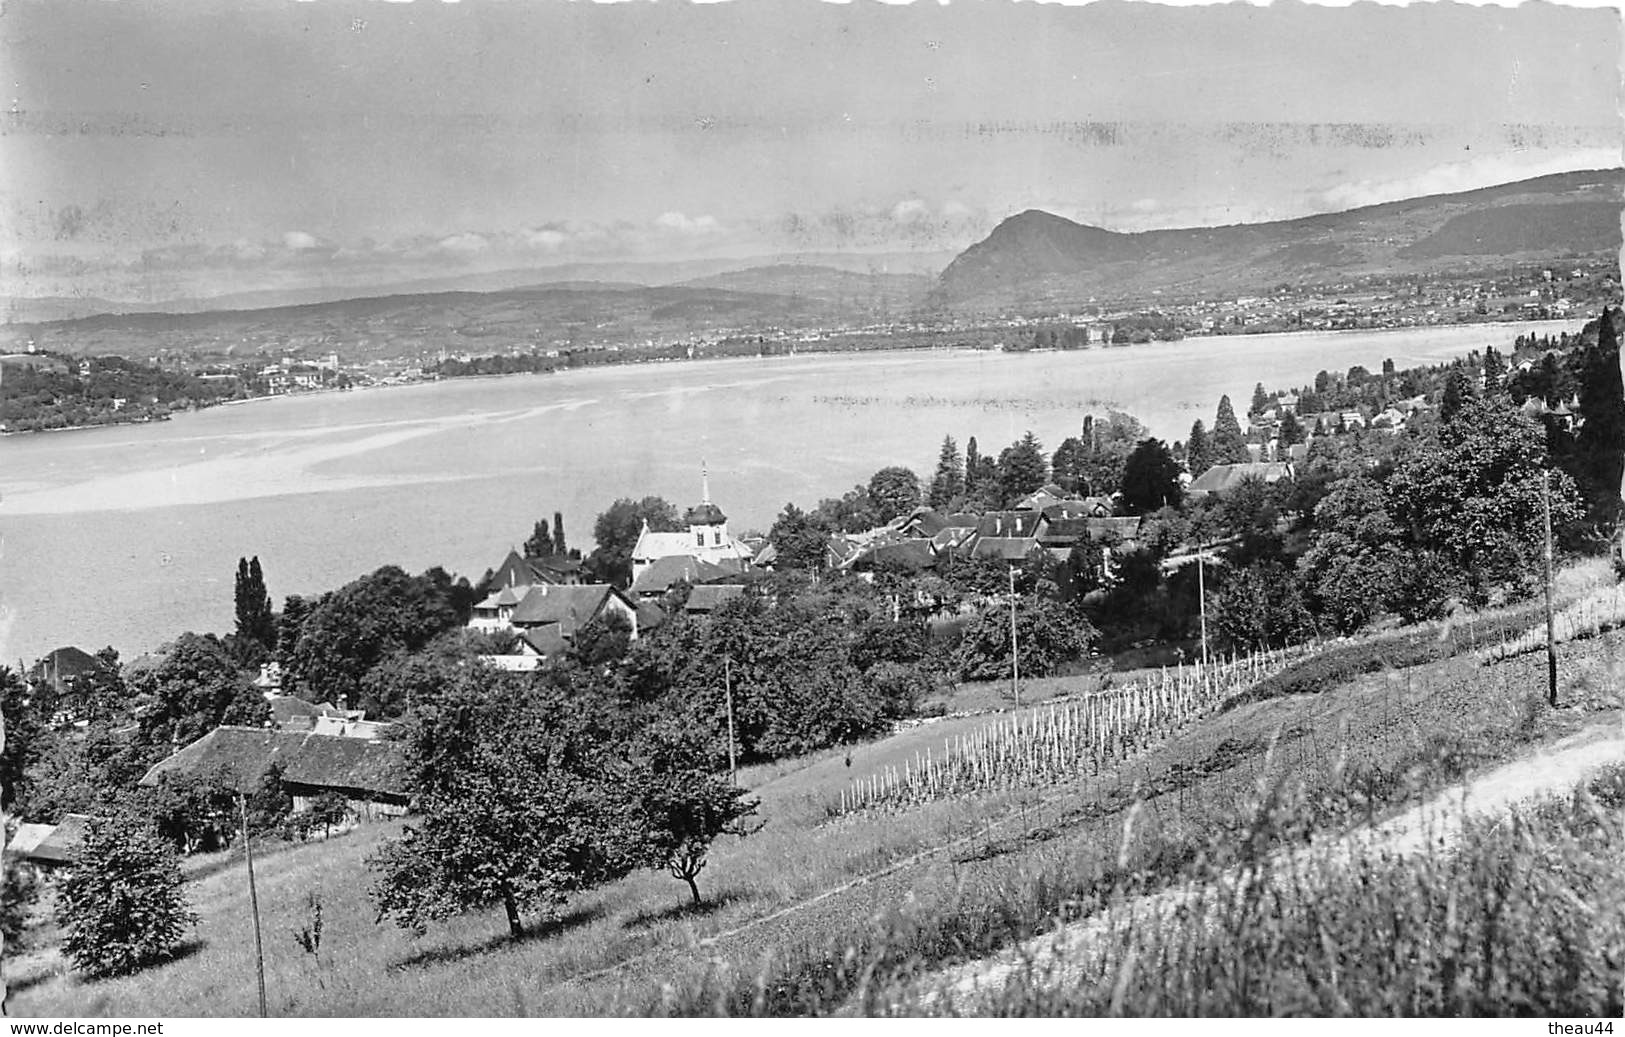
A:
(1037, 255)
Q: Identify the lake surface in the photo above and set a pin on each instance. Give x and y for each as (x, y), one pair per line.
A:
(129, 535)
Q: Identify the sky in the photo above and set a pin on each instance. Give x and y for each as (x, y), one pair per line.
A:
(154, 150)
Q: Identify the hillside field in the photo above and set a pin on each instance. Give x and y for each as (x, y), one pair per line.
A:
(901, 892)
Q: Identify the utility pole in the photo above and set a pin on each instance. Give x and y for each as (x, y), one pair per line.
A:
(1551, 626)
(1015, 665)
(1201, 594)
(253, 901)
(728, 694)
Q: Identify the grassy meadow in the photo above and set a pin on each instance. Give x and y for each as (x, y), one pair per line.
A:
(822, 913)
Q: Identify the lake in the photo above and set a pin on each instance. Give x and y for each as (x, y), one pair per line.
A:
(130, 535)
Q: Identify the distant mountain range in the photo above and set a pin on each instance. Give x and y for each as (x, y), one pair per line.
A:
(1031, 261)
(822, 274)
(1036, 257)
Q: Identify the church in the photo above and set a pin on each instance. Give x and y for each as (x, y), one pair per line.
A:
(706, 540)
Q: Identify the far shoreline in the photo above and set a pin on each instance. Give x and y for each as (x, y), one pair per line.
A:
(1548, 325)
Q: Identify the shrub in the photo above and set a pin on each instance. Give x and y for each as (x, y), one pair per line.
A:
(123, 906)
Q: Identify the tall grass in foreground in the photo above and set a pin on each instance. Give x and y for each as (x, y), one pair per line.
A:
(1520, 916)
(1063, 741)
(1525, 915)
(1600, 610)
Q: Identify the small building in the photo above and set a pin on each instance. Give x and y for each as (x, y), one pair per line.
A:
(49, 847)
(370, 773)
(1222, 478)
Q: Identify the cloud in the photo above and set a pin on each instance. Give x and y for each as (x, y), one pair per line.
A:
(1483, 171)
(298, 240)
(465, 242)
(676, 221)
(910, 210)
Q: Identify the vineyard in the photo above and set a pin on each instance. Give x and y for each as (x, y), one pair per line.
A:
(1601, 610)
(1064, 740)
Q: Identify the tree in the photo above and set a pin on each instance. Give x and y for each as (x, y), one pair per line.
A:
(1198, 452)
(195, 688)
(973, 467)
(123, 905)
(1455, 392)
(1067, 466)
(798, 541)
(1495, 371)
(1022, 468)
(256, 621)
(1261, 607)
(1046, 635)
(1473, 494)
(680, 804)
(1291, 431)
(365, 622)
(269, 803)
(616, 532)
(540, 542)
(948, 484)
(1261, 400)
(894, 491)
(515, 788)
(1600, 444)
(1229, 446)
(289, 625)
(1150, 479)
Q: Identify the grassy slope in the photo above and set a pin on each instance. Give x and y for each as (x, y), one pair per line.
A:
(1000, 883)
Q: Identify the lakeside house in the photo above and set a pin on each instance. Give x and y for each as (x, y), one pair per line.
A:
(1222, 478)
(545, 618)
(370, 773)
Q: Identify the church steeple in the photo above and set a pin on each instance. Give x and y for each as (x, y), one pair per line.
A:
(705, 483)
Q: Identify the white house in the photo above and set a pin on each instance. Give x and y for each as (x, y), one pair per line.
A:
(706, 539)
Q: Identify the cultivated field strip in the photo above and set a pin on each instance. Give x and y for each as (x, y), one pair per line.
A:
(1598, 612)
(1063, 741)
(1060, 957)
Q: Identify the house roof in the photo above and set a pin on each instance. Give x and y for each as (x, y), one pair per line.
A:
(924, 523)
(707, 598)
(544, 640)
(240, 756)
(1009, 523)
(1065, 530)
(1009, 549)
(706, 514)
(567, 606)
(1126, 527)
(1071, 509)
(61, 844)
(962, 520)
(519, 571)
(27, 837)
(286, 707)
(913, 554)
(952, 536)
(1224, 477)
(664, 573)
(67, 662)
(650, 616)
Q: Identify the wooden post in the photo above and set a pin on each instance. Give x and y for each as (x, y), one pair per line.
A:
(1551, 633)
(728, 694)
(1015, 665)
(253, 902)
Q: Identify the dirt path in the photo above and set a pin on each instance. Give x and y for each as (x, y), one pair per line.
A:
(1554, 768)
